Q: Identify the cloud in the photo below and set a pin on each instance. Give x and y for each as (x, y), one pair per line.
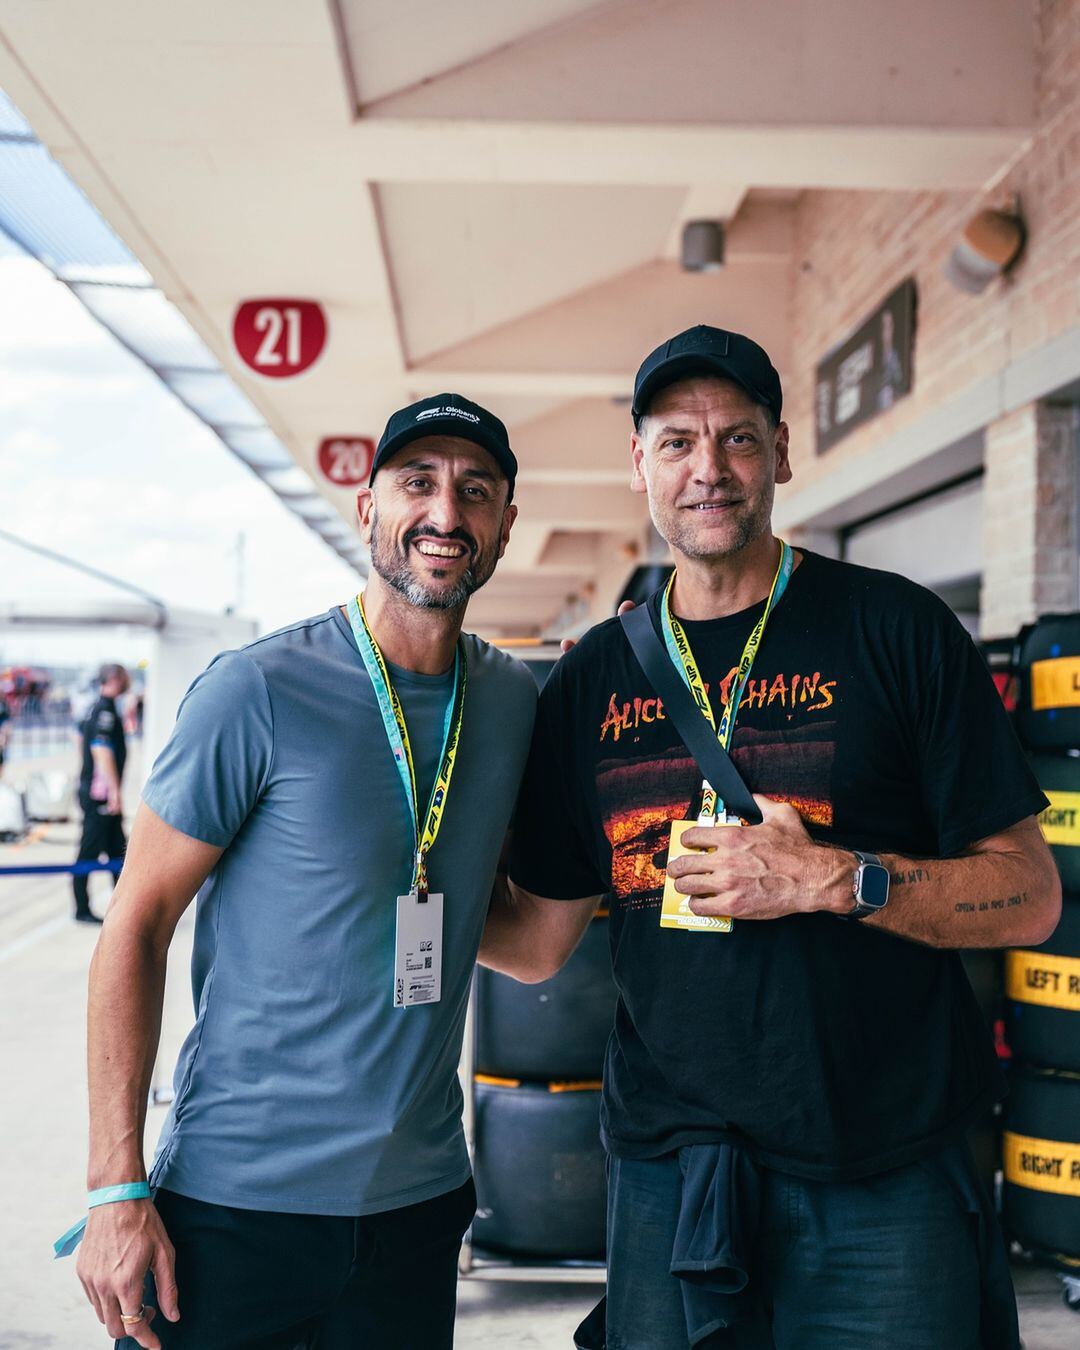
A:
(100, 462)
(30, 443)
(54, 349)
(36, 388)
(50, 318)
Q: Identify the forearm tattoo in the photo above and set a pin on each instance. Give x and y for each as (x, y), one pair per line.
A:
(983, 906)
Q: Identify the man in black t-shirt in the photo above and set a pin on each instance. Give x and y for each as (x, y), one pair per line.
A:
(784, 1102)
(5, 730)
(104, 751)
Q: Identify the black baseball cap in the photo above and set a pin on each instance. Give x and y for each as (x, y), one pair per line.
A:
(710, 351)
(447, 415)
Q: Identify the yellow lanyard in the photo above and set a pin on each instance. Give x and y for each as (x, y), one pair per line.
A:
(397, 734)
(681, 654)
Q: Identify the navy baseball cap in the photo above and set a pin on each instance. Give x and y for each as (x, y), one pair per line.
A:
(447, 415)
(709, 351)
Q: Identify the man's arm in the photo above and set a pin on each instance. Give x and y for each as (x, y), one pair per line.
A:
(163, 869)
(1002, 891)
(528, 937)
(105, 766)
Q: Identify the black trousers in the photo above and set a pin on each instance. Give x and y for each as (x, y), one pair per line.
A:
(101, 835)
(252, 1280)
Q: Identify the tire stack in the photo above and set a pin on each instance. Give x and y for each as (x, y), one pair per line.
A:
(984, 967)
(1042, 985)
(539, 1056)
(1000, 657)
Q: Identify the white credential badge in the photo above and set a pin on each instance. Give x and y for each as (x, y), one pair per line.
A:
(418, 950)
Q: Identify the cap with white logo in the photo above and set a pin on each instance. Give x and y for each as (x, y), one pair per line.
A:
(447, 415)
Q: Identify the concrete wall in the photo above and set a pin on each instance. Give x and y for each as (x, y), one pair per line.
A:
(935, 542)
(185, 646)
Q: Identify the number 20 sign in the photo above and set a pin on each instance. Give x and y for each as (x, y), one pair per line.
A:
(346, 460)
(279, 338)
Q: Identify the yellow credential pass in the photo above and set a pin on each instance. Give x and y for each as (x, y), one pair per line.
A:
(675, 911)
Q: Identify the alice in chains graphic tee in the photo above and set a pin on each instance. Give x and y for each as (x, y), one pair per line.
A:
(828, 1048)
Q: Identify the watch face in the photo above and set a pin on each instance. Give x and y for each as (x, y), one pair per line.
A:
(874, 885)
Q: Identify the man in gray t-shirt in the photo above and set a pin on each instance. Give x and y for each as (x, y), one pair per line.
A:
(337, 793)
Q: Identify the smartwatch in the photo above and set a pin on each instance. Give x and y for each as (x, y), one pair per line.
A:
(870, 886)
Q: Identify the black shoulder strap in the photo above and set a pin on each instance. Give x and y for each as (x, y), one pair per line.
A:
(698, 737)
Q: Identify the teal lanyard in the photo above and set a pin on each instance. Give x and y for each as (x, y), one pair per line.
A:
(393, 719)
(682, 658)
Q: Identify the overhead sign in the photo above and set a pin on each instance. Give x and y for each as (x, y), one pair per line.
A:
(279, 338)
(865, 375)
(346, 460)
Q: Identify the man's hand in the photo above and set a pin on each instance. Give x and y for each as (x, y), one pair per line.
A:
(113, 805)
(123, 1241)
(762, 871)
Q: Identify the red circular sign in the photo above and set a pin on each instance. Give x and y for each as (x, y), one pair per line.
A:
(279, 338)
(346, 460)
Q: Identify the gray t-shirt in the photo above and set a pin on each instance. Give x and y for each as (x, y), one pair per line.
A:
(301, 1088)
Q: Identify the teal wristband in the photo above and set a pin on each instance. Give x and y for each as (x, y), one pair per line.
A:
(125, 1190)
(66, 1243)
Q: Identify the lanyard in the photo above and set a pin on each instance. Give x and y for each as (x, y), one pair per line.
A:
(397, 733)
(682, 657)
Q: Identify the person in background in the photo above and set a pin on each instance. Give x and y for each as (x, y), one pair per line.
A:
(104, 751)
(5, 731)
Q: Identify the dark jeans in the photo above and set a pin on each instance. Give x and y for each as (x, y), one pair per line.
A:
(887, 1263)
(252, 1280)
(101, 835)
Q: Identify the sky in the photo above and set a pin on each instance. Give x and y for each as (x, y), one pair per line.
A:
(100, 462)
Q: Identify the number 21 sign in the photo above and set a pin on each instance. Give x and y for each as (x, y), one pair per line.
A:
(279, 338)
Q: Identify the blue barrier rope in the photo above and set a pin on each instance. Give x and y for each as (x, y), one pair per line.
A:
(78, 869)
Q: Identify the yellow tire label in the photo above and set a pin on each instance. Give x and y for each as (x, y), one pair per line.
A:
(1055, 683)
(1038, 977)
(1042, 1164)
(1060, 822)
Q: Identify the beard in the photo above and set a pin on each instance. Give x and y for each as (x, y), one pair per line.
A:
(677, 527)
(394, 564)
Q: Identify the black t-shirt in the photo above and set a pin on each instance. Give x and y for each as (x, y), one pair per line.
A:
(101, 727)
(828, 1048)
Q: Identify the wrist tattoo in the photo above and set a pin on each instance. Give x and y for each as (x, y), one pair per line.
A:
(909, 876)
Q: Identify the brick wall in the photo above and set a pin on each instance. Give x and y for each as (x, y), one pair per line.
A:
(852, 248)
(1029, 517)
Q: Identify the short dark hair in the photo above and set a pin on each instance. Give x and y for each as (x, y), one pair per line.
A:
(111, 671)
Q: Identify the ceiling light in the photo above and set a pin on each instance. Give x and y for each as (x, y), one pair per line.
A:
(702, 246)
